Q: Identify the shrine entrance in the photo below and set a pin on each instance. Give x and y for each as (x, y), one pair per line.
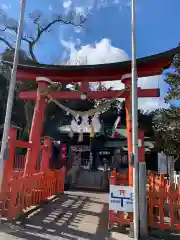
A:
(31, 185)
(45, 92)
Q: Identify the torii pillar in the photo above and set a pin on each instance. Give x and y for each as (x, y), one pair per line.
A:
(141, 158)
(126, 80)
(36, 128)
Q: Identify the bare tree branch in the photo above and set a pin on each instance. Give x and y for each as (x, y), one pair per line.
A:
(31, 52)
(6, 42)
(3, 30)
(40, 28)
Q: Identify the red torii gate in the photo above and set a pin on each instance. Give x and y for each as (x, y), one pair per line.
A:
(147, 66)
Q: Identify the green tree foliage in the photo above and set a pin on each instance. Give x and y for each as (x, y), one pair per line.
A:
(166, 122)
(167, 130)
(145, 120)
(173, 80)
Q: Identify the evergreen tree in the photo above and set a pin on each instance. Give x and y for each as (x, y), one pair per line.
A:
(167, 121)
(173, 80)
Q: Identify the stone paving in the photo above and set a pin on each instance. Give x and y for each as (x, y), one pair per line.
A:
(73, 216)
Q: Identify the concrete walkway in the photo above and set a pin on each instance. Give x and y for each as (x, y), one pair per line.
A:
(73, 216)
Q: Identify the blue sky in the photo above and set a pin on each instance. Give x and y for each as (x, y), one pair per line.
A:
(157, 25)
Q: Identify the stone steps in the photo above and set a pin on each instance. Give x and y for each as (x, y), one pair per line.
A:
(90, 180)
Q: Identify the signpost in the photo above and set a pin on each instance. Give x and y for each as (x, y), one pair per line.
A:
(121, 198)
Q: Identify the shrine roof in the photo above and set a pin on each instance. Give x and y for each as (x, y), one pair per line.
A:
(146, 66)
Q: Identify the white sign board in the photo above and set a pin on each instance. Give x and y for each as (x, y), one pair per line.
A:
(121, 198)
(162, 163)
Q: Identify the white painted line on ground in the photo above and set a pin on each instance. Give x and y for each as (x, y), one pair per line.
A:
(33, 226)
(18, 222)
(51, 230)
(46, 236)
(73, 236)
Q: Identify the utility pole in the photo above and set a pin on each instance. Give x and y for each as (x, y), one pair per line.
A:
(135, 125)
(7, 123)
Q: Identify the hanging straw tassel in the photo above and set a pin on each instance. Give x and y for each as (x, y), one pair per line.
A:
(71, 134)
(92, 131)
(80, 138)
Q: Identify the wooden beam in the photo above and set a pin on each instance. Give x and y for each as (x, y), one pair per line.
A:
(62, 95)
(146, 66)
(84, 86)
(22, 144)
(68, 77)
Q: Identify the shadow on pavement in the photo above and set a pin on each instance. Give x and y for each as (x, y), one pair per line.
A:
(74, 215)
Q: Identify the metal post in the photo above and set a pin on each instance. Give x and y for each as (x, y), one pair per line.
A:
(143, 226)
(11, 92)
(135, 125)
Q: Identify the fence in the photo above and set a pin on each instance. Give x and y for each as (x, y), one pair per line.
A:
(163, 201)
(20, 192)
(25, 192)
(19, 162)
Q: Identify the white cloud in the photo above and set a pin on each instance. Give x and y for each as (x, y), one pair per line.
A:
(50, 7)
(99, 4)
(78, 29)
(102, 4)
(85, 6)
(4, 6)
(67, 3)
(103, 52)
(116, 1)
(68, 45)
(80, 10)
